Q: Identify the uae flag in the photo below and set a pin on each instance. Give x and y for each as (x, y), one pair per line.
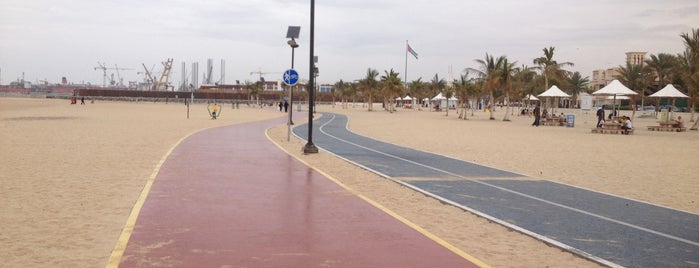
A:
(410, 49)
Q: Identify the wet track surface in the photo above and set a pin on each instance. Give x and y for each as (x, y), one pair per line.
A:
(609, 229)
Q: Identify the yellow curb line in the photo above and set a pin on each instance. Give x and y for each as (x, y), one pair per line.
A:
(421, 230)
(120, 247)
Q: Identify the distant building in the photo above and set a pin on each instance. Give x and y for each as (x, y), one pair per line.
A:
(325, 88)
(602, 77)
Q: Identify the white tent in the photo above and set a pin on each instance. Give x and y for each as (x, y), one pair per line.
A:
(617, 98)
(553, 92)
(530, 97)
(615, 88)
(669, 91)
(585, 101)
(438, 97)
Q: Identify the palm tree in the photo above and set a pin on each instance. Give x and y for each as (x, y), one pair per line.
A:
(254, 90)
(369, 86)
(463, 90)
(662, 66)
(524, 82)
(391, 86)
(507, 72)
(578, 84)
(339, 89)
(436, 86)
(636, 77)
(489, 74)
(551, 69)
(689, 68)
(418, 89)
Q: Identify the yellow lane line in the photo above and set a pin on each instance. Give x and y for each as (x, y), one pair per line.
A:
(120, 247)
(421, 230)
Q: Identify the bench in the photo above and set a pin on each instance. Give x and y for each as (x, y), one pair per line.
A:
(610, 130)
(664, 128)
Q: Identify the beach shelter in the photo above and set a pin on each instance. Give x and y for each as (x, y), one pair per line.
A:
(438, 97)
(615, 88)
(671, 92)
(408, 99)
(585, 101)
(531, 97)
(553, 92)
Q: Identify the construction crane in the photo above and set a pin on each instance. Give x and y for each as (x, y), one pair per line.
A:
(164, 77)
(104, 69)
(260, 73)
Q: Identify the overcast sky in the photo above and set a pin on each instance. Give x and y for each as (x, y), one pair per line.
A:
(51, 39)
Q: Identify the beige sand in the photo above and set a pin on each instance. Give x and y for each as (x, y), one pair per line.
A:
(71, 174)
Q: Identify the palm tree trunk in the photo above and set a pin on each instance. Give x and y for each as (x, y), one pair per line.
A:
(507, 107)
(492, 105)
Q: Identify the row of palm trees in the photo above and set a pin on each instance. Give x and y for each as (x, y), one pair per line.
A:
(498, 79)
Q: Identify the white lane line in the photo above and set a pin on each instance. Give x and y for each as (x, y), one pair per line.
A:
(514, 192)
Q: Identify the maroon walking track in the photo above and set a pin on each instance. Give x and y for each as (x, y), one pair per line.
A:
(228, 197)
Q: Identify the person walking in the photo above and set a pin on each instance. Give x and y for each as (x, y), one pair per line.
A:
(537, 116)
(286, 106)
(600, 116)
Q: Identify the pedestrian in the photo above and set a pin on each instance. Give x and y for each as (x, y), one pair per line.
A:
(281, 104)
(82, 100)
(537, 116)
(600, 116)
(286, 106)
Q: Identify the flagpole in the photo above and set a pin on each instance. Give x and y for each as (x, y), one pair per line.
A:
(406, 65)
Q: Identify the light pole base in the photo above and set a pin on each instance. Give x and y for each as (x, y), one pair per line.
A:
(310, 148)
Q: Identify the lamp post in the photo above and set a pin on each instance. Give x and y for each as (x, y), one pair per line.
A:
(310, 148)
(293, 33)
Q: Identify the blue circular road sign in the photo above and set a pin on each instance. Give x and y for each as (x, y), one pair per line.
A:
(291, 77)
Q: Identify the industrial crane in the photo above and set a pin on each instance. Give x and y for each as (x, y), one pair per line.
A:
(260, 73)
(104, 69)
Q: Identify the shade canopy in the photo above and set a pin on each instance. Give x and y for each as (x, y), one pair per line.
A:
(617, 98)
(615, 88)
(407, 97)
(669, 91)
(439, 97)
(554, 91)
(530, 97)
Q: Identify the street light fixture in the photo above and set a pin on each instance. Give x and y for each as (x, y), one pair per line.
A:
(293, 33)
(310, 148)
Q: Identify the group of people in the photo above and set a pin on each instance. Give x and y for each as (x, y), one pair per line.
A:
(284, 105)
(625, 121)
(538, 114)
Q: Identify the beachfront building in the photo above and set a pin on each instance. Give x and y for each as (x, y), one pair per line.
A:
(603, 77)
(325, 88)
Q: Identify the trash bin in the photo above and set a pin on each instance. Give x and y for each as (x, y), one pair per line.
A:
(570, 120)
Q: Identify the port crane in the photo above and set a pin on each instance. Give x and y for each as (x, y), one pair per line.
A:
(164, 77)
(104, 69)
(261, 73)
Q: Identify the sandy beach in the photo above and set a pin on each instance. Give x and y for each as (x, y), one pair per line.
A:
(71, 173)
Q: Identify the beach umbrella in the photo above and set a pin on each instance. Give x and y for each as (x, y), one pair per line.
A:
(669, 91)
(615, 88)
(553, 92)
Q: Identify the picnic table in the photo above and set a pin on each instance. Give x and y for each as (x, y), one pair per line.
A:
(670, 125)
(554, 121)
(611, 128)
